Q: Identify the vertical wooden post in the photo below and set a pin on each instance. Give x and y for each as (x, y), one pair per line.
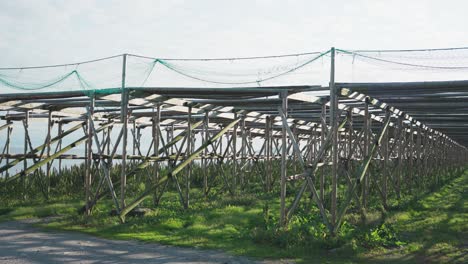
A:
(89, 156)
(243, 152)
(109, 132)
(422, 169)
(9, 130)
(205, 159)
(411, 158)
(311, 144)
(385, 170)
(284, 137)
(49, 165)
(401, 137)
(189, 152)
(234, 154)
(59, 143)
(134, 137)
(171, 135)
(268, 153)
(156, 130)
(294, 154)
(350, 141)
(124, 119)
(323, 130)
(334, 131)
(25, 161)
(418, 158)
(366, 149)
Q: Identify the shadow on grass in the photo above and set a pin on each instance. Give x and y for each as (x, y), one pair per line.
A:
(435, 227)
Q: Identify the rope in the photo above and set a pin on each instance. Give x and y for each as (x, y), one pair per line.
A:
(60, 65)
(224, 59)
(409, 50)
(403, 63)
(229, 59)
(173, 68)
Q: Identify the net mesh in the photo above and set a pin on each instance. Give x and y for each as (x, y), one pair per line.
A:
(296, 69)
(402, 66)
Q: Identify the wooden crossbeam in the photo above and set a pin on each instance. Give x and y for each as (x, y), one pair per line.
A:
(361, 174)
(55, 155)
(308, 172)
(174, 171)
(41, 147)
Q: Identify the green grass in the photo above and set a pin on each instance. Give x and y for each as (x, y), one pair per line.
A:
(431, 229)
(435, 227)
(36, 210)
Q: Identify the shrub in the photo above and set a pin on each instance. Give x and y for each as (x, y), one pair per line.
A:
(381, 236)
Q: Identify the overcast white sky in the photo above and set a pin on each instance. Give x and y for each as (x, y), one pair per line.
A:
(52, 32)
(47, 31)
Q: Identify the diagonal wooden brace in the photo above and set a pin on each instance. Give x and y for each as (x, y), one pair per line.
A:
(55, 155)
(148, 192)
(361, 173)
(41, 147)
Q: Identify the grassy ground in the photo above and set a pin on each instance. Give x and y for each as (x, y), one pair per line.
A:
(432, 229)
(435, 227)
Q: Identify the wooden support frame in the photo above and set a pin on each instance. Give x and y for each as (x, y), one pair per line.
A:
(358, 159)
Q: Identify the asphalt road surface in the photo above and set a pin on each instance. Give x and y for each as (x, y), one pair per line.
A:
(21, 243)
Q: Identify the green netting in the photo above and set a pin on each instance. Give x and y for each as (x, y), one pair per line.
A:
(295, 69)
(95, 75)
(103, 91)
(281, 72)
(402, 65)
(19, 85)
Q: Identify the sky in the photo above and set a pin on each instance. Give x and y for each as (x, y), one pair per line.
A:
(50, 32)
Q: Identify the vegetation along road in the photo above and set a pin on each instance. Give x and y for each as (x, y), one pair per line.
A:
(431, 228)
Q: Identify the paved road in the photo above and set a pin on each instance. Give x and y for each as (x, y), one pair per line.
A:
(20, 243)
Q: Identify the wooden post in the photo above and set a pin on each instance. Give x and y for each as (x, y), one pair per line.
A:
(361, 174)
(55, 155)
(268, 153)
(9, 130)
(179, 167)
(334, 127)
(25, 161)
(189, 152)
(170, 135)
(311, 144)
(294, 154)
(156, 136)
(134, 137)
(411, 158)
(350, 140)
(59, 145)
(124, 119)
(366, 150)
(205, 154)
(49, 164)
(418, 158)
(243, 153)
(385, 169)
(40, 148)
(323, 126)
(401, 137)
(89, 156)
(308, 171)
(234, 154)
(284, 137)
